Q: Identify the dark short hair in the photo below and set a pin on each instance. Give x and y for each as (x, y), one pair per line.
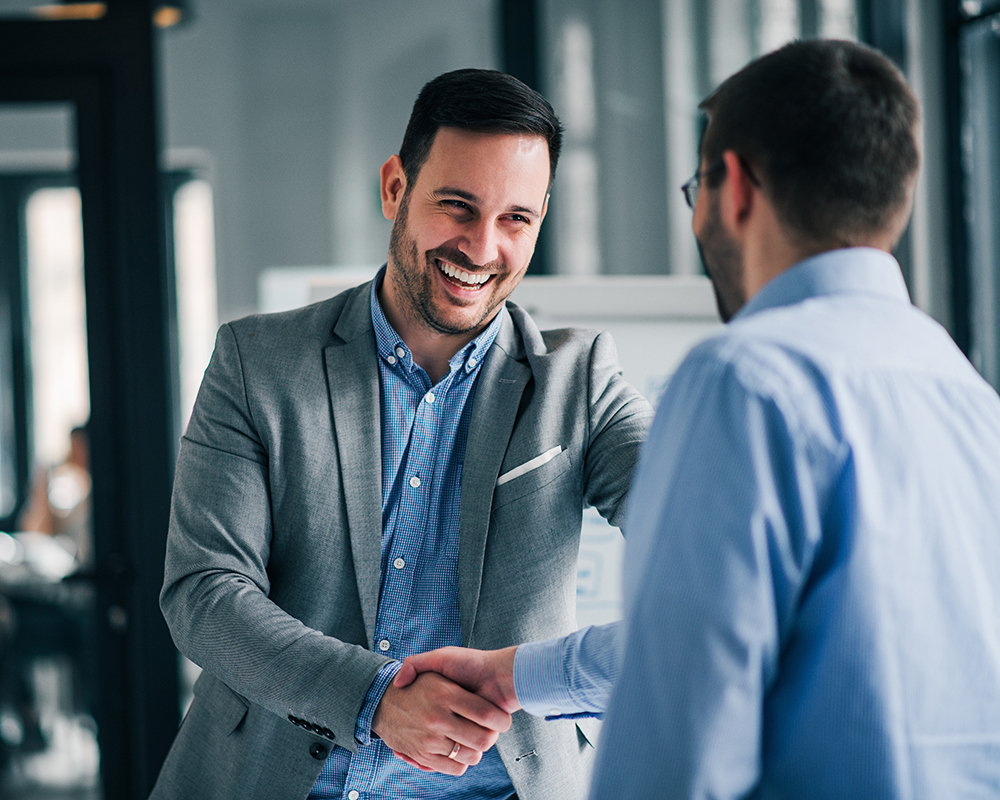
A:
(831, 128)
(479, 100)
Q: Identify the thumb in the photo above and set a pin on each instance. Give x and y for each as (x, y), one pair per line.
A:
(431, 661)
(407, 674)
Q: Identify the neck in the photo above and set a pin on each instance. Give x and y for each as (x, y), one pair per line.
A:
(769, 250)
(431, 349)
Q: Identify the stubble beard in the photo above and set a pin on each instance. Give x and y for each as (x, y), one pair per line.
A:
(723, 262)
(415, 286)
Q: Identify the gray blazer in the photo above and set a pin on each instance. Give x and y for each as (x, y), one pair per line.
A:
(273, 556)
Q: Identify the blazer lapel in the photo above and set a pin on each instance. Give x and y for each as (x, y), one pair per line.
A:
(502, 380)
(353, 383)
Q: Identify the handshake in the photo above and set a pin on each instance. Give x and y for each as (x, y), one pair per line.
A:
(446, 707)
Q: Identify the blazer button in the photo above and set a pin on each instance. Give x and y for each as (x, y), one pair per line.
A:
(317, 751)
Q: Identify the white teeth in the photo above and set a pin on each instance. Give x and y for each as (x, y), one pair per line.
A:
(463, 276)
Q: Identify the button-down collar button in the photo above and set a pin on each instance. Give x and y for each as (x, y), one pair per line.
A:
(353, 795)
(472, 361)
(554, 712)
(399, 563)
(400, 352)
(429, 397)
(317, 751)
(414, 481)
(391, 359)
(384, 645)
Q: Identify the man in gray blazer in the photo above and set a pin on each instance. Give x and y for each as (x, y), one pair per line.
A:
(396, 469)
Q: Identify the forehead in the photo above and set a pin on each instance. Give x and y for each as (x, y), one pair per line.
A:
(484, 163)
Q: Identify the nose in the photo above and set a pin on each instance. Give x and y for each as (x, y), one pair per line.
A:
(481, 245)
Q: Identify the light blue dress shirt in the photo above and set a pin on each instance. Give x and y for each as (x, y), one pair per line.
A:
(424, 432)
(569, 677)
(813, 561)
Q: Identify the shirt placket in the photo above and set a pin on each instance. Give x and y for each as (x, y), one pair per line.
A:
(418, 468)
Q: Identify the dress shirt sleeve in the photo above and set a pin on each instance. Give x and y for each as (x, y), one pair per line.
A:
(716, 558)
(568, 677)
(363, 727)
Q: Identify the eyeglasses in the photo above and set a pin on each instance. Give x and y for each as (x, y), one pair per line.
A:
(690, 189)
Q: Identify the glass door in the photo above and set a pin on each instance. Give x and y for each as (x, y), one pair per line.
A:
(48, 653)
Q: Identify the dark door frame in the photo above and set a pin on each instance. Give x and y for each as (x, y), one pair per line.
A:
(962, 288)
(106, 70)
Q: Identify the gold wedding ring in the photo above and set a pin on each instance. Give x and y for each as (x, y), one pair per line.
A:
(454, 751)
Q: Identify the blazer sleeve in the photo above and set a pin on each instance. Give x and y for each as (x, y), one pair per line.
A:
(619, 419)
(215, 596)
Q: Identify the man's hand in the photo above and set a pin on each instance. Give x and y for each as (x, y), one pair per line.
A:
(488, 673)
(424, 721)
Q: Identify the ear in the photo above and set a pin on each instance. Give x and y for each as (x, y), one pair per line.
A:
(393, 186)
(545, 208)
(738, 193)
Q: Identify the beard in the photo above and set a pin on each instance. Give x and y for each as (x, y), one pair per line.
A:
(723, 262)
(414, 283)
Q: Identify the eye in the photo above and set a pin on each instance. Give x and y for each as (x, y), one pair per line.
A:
(457, 205)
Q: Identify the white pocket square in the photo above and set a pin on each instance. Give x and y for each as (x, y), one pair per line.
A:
(527, 466)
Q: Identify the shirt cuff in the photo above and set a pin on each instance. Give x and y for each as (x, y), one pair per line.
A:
(570, 677)
(363, 725)
(539, 680)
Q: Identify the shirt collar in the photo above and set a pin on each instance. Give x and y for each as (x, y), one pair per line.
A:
(392, 348)
(852, 269)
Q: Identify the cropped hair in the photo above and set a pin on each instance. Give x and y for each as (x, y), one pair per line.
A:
(831, 129)
(481, 101)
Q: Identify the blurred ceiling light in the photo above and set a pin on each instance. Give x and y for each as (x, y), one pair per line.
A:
(169, 14)
(165, 15)
(64, 11)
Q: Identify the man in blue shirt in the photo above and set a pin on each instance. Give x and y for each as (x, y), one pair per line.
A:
(814, 534)
(396, 469)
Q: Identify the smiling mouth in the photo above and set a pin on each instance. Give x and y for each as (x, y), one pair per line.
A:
(466, 280)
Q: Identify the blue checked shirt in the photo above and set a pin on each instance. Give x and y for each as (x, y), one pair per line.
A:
(424, 433)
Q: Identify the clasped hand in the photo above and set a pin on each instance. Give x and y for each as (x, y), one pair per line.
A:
(445, 697)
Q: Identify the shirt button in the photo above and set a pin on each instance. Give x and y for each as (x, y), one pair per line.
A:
(429, 397)
(472, 362)
(555, 712)
(391, 359)
(399, 563)
(383, 645)
(414, 481)
(353, 795)
(400, 352)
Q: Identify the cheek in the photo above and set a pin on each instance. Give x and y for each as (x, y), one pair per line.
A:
(434, 230)
(520, 247)
(696, 215)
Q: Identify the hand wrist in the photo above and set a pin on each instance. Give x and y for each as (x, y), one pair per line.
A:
(365, 726)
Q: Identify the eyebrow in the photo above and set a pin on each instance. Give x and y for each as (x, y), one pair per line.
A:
(450, 191)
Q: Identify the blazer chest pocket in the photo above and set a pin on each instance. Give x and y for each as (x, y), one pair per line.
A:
(530, 476)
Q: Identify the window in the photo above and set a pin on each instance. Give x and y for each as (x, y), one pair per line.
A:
(626, 81)
(979, 43)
